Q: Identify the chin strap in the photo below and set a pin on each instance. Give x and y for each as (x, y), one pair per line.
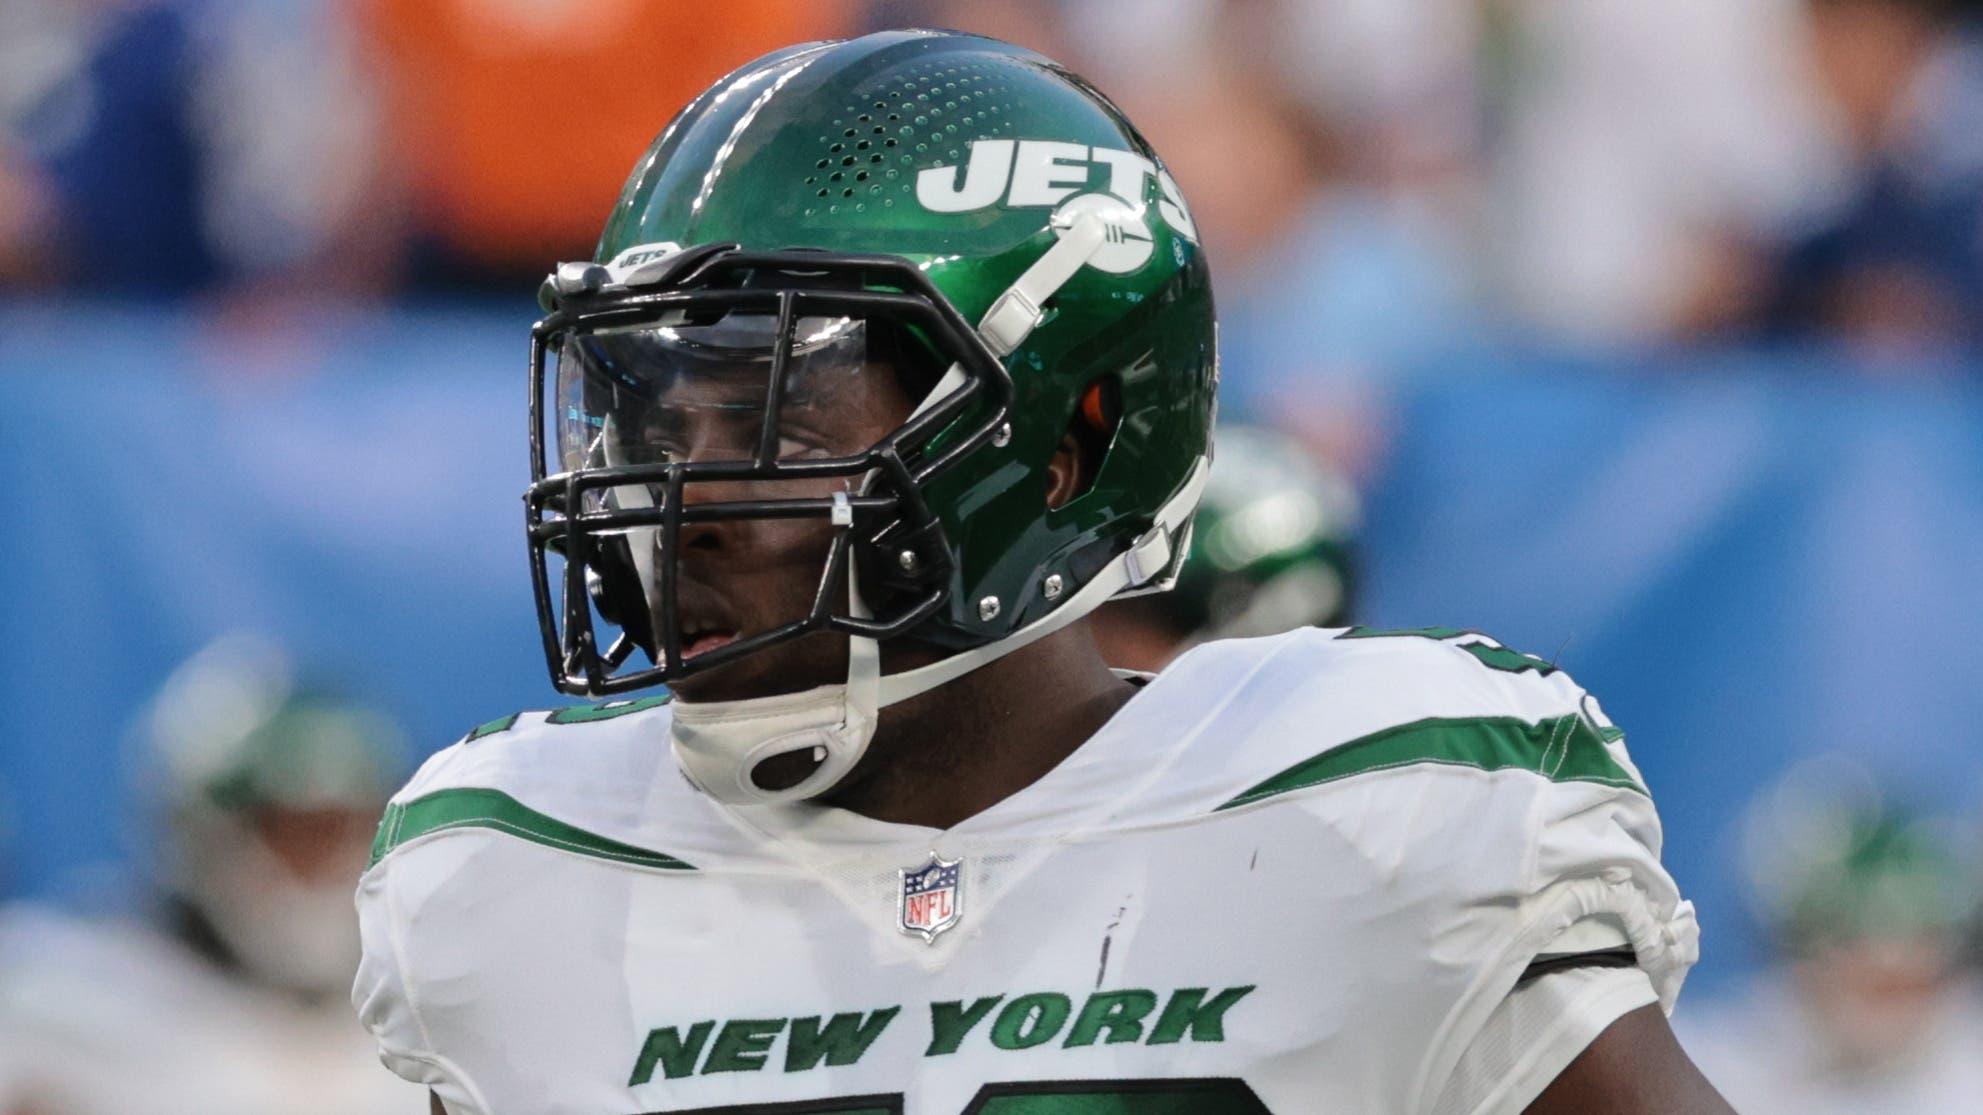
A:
(720, 743)
(1148, 558)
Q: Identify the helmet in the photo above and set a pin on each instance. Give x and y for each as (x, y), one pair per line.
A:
(938, 202)
(1833, 858)
(266, 791)
(1272, 546)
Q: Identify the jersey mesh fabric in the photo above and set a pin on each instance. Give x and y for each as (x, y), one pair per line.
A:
(1534, 1035)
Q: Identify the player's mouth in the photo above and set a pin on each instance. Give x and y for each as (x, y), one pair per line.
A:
(698, 637)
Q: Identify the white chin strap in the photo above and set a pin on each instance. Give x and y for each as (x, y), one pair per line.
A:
(720, 744)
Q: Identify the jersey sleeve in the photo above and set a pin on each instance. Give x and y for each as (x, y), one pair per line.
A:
(1534, 1034)
(385, 993)
(1591, 871)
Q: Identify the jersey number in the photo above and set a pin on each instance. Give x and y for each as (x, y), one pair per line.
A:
(1216, 1096)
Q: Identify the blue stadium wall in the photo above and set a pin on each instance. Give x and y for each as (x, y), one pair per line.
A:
(1748, 562)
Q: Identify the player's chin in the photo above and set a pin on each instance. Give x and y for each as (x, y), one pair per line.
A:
(814, 659)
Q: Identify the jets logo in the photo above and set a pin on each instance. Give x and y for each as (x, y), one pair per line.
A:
(1040, 172)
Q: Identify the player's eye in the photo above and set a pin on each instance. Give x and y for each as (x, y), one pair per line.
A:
(801, 447)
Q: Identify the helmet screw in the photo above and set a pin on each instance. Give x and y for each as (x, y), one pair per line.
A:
(907, 560)
(988, 609)
(1002, 437)
(1053, 586)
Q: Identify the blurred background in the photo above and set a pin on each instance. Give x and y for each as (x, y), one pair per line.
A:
(1645, 335)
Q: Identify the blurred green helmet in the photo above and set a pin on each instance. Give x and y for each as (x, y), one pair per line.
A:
(1273, 546)
(933, 201)
(231, 733)
(264, 791)
(1834, 860)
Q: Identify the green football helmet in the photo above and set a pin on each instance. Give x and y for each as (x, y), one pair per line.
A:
(1833, 859)
(1272, 547)
(960, 210)
(263, 791)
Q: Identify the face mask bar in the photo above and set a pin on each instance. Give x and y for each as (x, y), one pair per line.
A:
(567, 511)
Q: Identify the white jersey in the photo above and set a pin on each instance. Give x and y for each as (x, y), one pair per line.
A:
(1293, 874)
(103, 1017)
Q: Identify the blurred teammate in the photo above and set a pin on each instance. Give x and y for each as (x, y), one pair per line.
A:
(1871, 1008)
(226, 996)
(1273, 548)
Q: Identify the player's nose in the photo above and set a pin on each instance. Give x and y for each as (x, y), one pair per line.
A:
(709, 535)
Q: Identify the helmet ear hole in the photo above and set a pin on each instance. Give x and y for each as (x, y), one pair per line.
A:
(1090, 431)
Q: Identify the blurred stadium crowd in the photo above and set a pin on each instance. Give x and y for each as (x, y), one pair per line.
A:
(1384, 188)
(1411, 175)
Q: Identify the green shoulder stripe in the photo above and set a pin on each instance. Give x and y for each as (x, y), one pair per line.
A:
(1436, 634)
(499, 724)
(605, 710)
(1563, 749)
(493, 809)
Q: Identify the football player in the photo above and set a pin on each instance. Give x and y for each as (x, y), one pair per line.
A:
(896, 360)
(1272, 548)
(226, 996)
(1872, 1005)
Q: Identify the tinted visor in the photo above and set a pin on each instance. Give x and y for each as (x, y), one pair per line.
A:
(686, 390)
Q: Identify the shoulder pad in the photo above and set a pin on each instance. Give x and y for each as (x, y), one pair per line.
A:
(1319, 705)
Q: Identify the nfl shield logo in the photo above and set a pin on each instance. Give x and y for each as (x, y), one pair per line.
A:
(931, 898)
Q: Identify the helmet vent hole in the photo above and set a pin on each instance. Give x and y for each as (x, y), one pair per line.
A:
(861, 177)
(837, 148)
(888, 143)
(847, 192)
(849, 133)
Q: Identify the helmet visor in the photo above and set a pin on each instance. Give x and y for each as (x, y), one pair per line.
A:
(700, 389)
(734, 458)
(729, 457)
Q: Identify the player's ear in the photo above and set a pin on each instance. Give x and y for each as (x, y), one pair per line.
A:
(1064, 472)
(1079, 457)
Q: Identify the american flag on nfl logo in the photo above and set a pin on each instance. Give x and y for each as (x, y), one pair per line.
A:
(931, 897)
